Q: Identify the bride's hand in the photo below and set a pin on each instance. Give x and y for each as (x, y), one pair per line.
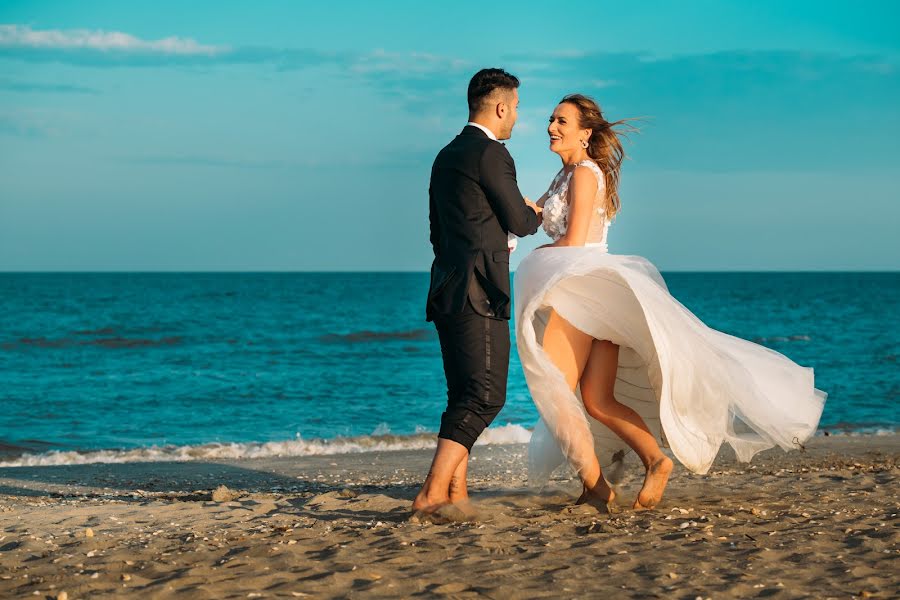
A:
(538, 211)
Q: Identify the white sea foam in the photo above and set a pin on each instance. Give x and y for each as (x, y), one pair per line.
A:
(868, 431)
(379, 442)
(504, 434)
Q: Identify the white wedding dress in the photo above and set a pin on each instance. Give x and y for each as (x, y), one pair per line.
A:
(695, 387)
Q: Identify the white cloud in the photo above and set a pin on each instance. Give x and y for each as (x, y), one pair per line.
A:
(24, 37)
(35, 123)
(382, 61)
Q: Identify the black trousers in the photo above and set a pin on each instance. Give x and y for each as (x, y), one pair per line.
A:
(475, 350)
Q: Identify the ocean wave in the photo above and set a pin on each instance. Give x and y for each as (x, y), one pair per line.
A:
(100, 331)
(106, 342)
(851, 431)
(782, 338)
(381, 441)
(377, 336)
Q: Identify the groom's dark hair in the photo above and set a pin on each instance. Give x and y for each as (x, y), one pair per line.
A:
(484, 82)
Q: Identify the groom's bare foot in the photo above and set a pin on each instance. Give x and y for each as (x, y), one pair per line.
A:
(452, 506)
(428, 503)
(446, 513)
(458, 493)
(654, 484)
(467, 509)
(442, 509)
(600, 496)
(426, 509)
(429, 499)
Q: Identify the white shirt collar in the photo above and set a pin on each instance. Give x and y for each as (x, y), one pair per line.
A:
(487, 131)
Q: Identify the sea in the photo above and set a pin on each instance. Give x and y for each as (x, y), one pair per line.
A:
(121, 367)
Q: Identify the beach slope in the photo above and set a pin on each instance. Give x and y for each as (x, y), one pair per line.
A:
(815, 523)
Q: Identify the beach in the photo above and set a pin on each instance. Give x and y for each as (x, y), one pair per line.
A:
(820, 523)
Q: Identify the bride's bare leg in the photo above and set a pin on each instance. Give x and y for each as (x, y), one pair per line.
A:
(597, 383)
(569, 349)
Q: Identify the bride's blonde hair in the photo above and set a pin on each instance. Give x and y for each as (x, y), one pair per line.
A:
(604, 145)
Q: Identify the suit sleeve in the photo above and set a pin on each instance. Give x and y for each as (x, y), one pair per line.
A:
(498, 178)
(435, 235)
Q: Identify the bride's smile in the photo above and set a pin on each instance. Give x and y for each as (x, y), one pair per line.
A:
(566, 138)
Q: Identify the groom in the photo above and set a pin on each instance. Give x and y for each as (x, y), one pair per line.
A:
(474, 203)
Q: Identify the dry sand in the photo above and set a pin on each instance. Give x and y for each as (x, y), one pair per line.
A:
(820, 523)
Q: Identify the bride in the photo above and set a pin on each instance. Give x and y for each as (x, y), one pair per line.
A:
(614, 363)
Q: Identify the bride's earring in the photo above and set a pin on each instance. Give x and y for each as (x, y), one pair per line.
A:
(584, 144)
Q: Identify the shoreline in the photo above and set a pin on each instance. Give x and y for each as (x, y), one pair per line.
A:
(12, 455)
(820, 522)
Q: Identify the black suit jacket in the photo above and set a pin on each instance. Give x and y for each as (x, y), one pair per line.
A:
(474, 201)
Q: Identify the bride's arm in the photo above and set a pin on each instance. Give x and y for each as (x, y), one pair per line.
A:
(582, 191)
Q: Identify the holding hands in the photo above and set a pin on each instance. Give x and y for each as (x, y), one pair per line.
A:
(512, 239)
(537, 209)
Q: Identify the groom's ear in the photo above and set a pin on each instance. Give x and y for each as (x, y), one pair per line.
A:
(500, 106)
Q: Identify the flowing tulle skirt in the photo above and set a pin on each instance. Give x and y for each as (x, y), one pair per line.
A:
(695, 387)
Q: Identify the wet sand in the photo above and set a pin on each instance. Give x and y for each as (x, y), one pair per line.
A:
(821, 523)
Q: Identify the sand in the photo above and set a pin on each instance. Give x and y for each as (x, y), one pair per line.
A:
(821, 523)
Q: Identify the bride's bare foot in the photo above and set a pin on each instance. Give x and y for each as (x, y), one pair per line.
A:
(654, 484)
(600, 496)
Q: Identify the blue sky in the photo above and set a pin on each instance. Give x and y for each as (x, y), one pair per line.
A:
(299, 136)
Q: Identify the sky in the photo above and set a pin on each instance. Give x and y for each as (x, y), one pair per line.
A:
(299, 136)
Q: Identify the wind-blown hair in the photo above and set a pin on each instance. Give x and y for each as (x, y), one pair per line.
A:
(604, 145)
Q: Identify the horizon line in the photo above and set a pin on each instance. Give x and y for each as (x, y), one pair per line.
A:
(366, 272)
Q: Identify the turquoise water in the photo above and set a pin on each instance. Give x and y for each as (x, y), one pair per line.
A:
(117, 361)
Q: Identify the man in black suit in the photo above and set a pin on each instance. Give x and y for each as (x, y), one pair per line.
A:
(474, 204)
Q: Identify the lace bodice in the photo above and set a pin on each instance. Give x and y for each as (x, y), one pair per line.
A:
(556, 207)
